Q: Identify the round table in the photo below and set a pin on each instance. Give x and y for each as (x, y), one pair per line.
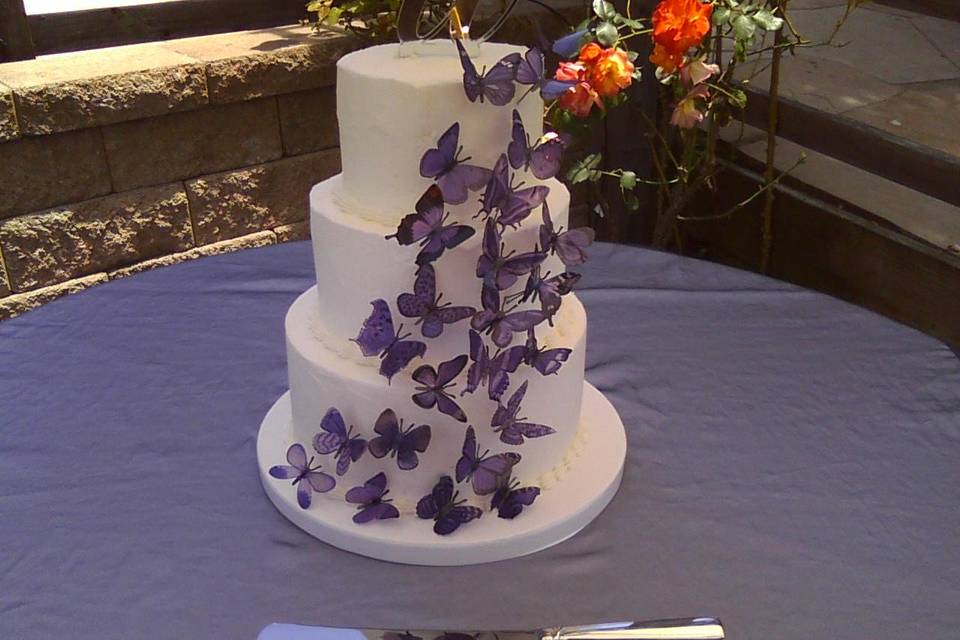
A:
(794, 467)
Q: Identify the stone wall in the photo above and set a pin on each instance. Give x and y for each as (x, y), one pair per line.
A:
(119, 160)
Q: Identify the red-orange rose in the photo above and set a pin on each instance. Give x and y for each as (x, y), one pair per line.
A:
(611, 72)
(570, 72)
(679, 25)
(589, 53)
(580, 99)
(666, 60)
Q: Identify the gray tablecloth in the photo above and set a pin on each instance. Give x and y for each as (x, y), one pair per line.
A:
(794, 467)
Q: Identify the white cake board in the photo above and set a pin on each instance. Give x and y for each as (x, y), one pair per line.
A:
(560, 512)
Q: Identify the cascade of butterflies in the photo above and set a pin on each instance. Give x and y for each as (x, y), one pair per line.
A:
(503, 205)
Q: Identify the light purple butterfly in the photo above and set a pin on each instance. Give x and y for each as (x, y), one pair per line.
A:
(498, 323)
(496, 85)
(487, 473)
(441, 506)
(531, 71)
(501, 271)
(570, 245)
(424, 305)
(395, 441)
(492, 371)
(549, 289)
(426, 226)
(546, 361)
(569, 45)
(307, 477)
(371, 500)
(512, 428)
(542, 158)
(337, 439)
(453, 176)
(435, 383)
(378, 338)
(513, 203)
(511, 498)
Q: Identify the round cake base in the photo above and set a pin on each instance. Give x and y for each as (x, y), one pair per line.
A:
(578, 497)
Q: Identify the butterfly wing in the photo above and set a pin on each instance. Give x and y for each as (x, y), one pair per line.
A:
(544, 158)
(447, 405)
(399, 356)
(497, 84)
(283, 472)
(471, 79)
(436, 162)
(498, 187)
(304, 494)
(377, 332)
(414, 440)
(512, 505)
(513, 404)
(297, 456)
(571, 245)
(451, 521)
(549, 361)
(371, 490)
(467, 462)
(319, 481)
(553, 89)
(520, 203)
(530, 69)
(533, 430)
(378, 511)
(418, 303)
(388, 428)
(517, 149)
(334, 432)
(491, 472)
(439, 497)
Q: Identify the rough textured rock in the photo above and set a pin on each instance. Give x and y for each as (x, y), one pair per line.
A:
(234, 203)
(4, 283)
(308, 120)
(52, 246)
(259, 239)
(16, 304)
(36, 173)
(292, 232)
(193, 143)
(8, 117)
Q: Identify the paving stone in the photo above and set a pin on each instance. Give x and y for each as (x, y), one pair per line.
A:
(19, 303)
(943, 34)
(9, 129)
(250, 64)
(308, 120)
(59, 244)
(36, 173)
(235, 203)
(90, 88)
(259, 239)
(293, 232)
(193, 143)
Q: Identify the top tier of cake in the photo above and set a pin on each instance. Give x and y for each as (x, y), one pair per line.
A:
(392, 111)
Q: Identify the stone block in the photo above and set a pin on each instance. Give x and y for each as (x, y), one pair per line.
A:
(293, 232)
(9, 129)
(259, 239)
(235, 203)
(308, 120)
(37, 173)
(193, 143)
(18, 303)
(92, 88)
(4, 282)
(67, 242)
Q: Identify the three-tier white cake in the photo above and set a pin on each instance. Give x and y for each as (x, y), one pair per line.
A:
(391, 109)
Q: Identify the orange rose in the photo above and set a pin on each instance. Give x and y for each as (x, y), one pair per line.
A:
(611, 72)
(666, 60)
(589, 53)
(679, 25)
(579, 99)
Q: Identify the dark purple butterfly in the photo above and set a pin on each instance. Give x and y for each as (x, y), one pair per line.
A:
(502, 325)
(337, 439)
(496, 85)
(395, 441)
(549, 289)
(453, 176)
(371, 502)
(441, 506)
(513, 429)
(451, 635)
(546, 361)
(426, 227)
(568, 245)
(569, 45)
(306, 477)
(424, 305)
(502, 271)
(393, 635)
(487, 473)
(435, 384)
(378, 338)
(530, 71)
(514, 204)
(510, 499)
(492, 371)
(542, 159)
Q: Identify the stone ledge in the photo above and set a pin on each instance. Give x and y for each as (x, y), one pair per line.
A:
(293, 232)
(19, 303)
(259, 239)
(9, 129)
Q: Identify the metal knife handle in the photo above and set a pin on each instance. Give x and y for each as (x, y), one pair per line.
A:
(673, 629)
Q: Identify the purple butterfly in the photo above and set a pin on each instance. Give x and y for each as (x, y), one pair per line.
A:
(496, 85)
(395, 441)
(393, 635)
(492, 371)
(510, 499)
(511, 428)
(424, 305)
(487, 473)
(542, 159)
(546, 361)
(377, 337)
(568, 245)
(502, 271)
(498, 323)
(530, 71)
(336, 438)
(569, 45)
(549, 289)
(306, 477)
(453, 176)
(435, 384)
(371, 502)
(514, 204)
(441, 506)
(426, 227)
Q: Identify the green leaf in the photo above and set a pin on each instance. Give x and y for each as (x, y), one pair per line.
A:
(766, 20)
(607, 34)
(631, 200)
(633, 55)
(721, 15)
(585, 169)
(744, 28)
(628, 22)
(604, 10)
(637, 73)
(738, 97)
(628, 180)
